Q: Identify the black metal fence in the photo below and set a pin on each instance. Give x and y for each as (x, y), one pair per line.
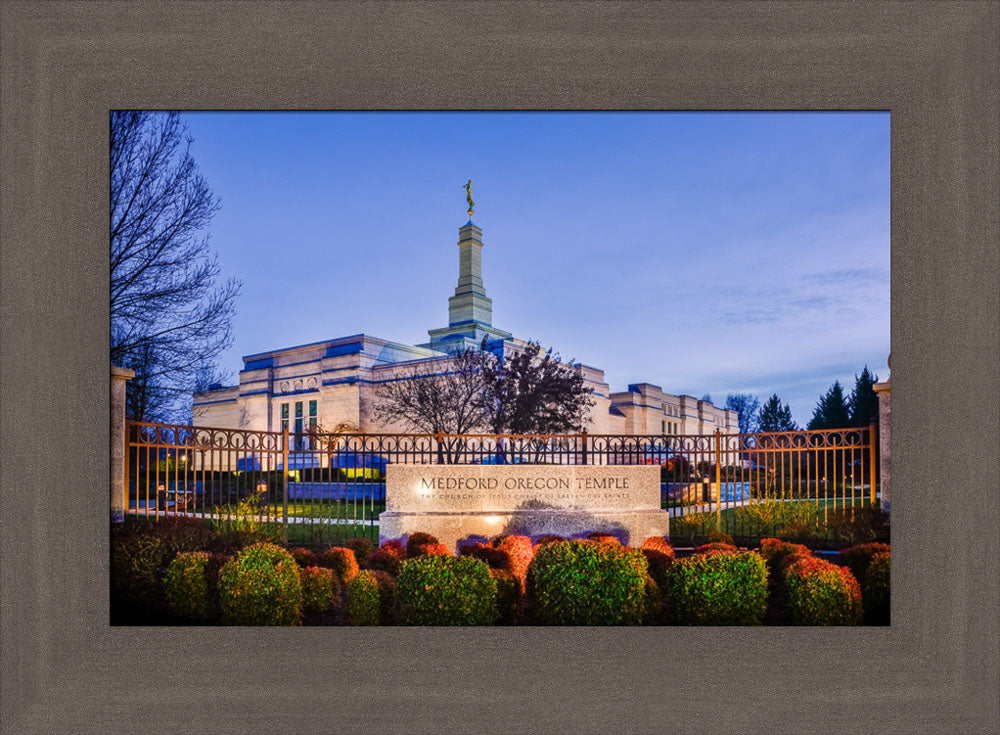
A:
(316, 488)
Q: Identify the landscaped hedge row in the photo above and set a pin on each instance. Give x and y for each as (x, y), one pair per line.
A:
(593, 581)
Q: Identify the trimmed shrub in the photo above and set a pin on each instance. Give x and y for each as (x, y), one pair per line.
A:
(659, 556)
(779, 554)
(495, 558)
(658, 543)
(362, 606)
(416, 540)
(361, 547)
(520, 551)
(716, 548)
(395, 548)
(341, 561)
(875, 590)
(719, 537)
(190, 584)
(433, 550)
(260, 586)
(550, 538)
(388, 597)
(446, 590)
(821, 593)
(718, 589)
(138, 559)
(604, 538)
(320, 589)
(584, 583)
(181, 534)
(653, 604)
(857, 558)
(303, 557)
(508, 596)
(383, 560)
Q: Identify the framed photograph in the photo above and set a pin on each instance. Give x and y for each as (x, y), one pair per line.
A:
(929, 69)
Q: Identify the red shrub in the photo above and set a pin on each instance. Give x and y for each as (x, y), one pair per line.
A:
(779, 554)
(303, 557)
(415, 541)
(361, 547)
(604, 538)
(384, 560)
(658, 543)
(433, 550)
(520, 552)
(394, 547)
(341, 561)
(717, 548)
(821, 593)
(496, 558)
(857, 558)
(659, 556)
(548, 539)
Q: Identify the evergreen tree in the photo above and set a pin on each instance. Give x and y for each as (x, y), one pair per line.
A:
(774, 416)
(832, 410)
(864, 400)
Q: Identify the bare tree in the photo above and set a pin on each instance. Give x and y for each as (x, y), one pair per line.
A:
(443, 396)
(169, 319)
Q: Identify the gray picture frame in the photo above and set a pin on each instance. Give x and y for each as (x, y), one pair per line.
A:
(932, 65)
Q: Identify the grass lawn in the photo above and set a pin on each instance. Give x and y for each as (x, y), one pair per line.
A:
(333, 509)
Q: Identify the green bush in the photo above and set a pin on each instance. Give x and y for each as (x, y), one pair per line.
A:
(190, 585)
(362, 606)
(320, 589)
(260, 586)
(388, 598)
(653, 604)
(718, 589)
(138, 558)
(508, 596)
(821, 593)
(446, 590)
(586, 583)
(875, 590)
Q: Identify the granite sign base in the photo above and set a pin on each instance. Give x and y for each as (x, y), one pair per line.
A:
(457, 503)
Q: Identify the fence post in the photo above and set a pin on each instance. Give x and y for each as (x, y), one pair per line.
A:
(284, 485)
(583, 438)
(718, 479)
(871, 461)
(884, 443)
(119, 444)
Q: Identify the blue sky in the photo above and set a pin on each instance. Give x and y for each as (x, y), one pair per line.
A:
(703, 252)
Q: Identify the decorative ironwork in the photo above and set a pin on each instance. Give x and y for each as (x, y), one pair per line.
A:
(331, 483)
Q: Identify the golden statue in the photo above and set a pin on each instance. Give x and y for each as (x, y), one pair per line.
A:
(468, 196)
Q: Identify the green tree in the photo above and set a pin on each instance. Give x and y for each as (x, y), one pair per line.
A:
(864, 400)
(774, 416)
(528, 391)
(746, 407)
(832, 410)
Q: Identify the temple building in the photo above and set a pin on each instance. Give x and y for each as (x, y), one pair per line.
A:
(335, 382)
